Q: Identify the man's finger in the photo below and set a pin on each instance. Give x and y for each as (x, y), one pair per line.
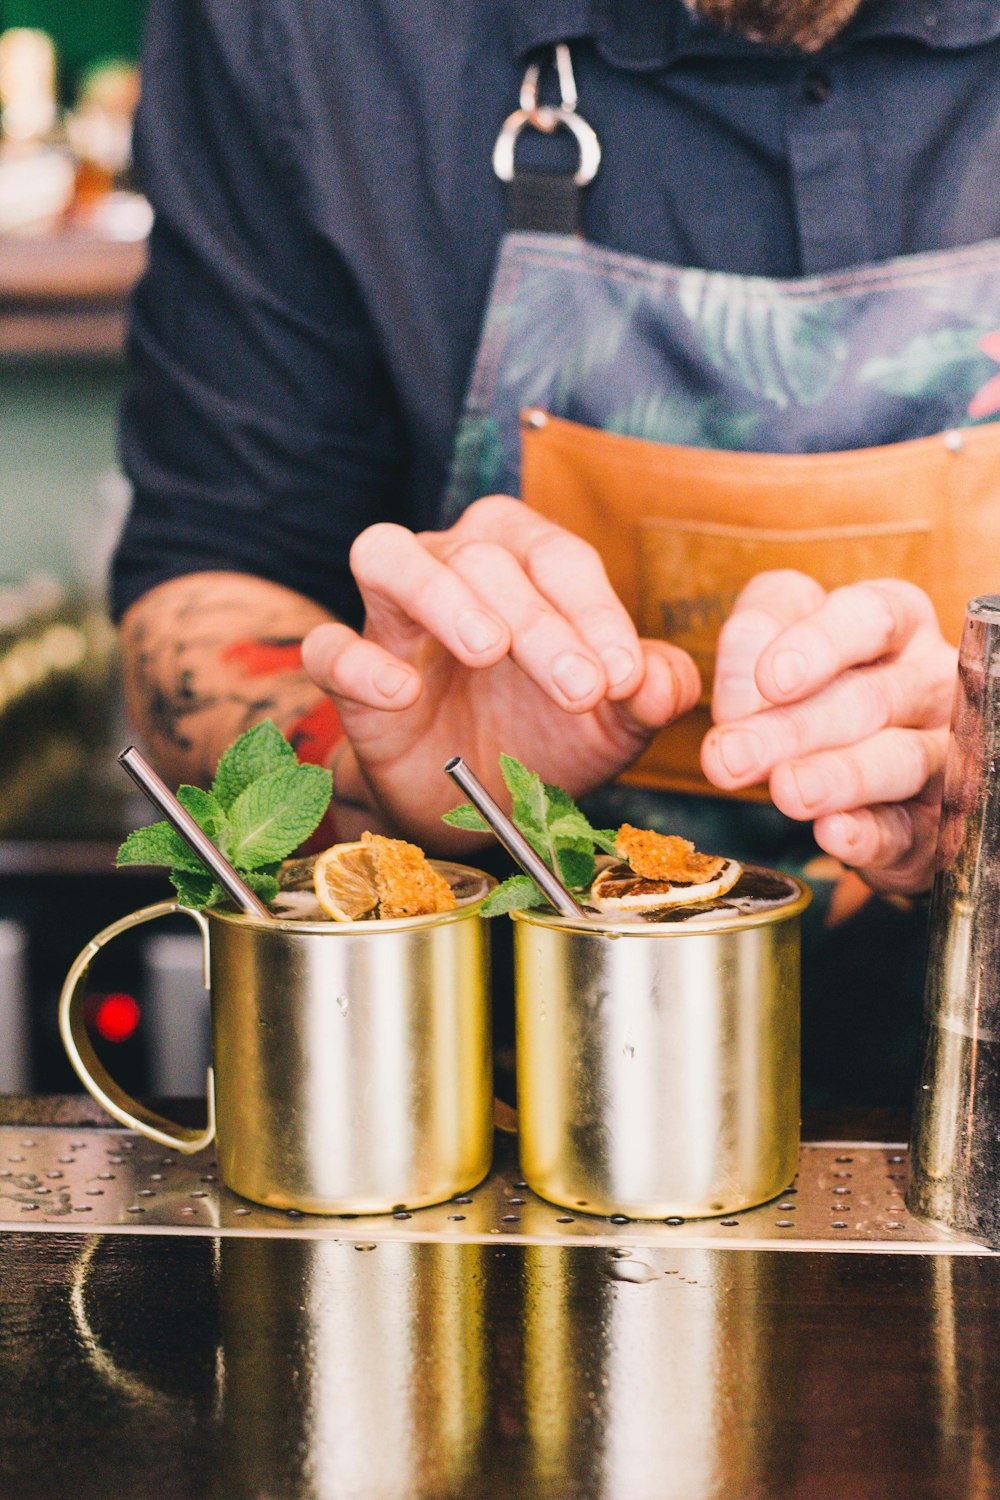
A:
(853, 625)
(670, 687)
(566, 571)
(544, 643)
(892, 766)
(351, 668)
(861, 702)
(768, 604)
(403, 586)
(891, 846)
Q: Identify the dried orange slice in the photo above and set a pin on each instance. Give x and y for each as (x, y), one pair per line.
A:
(344, 880)
(619, 888)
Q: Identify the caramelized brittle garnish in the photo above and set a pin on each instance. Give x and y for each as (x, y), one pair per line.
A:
(407, 885)
(663, 856)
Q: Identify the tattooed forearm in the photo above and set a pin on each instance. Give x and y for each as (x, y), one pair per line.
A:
(208, 655)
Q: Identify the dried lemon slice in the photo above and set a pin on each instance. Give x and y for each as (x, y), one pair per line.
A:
(619, 888)
(344, 880)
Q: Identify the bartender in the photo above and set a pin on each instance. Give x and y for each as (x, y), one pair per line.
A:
(711, 286)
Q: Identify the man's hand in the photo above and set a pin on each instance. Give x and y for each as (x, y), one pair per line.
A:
(842, 702)
(500, 634)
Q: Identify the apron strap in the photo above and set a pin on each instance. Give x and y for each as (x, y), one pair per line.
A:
(545, 200)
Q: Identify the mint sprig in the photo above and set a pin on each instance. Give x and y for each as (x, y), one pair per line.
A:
(263, 804)
(555, 828)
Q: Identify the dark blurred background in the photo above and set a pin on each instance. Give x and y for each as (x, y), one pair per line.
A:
(73, 228)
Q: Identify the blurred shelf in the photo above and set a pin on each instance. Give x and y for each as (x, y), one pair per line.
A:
(61, 857)
(64, 295)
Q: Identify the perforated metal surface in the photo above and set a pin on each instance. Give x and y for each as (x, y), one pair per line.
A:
(845, 1197)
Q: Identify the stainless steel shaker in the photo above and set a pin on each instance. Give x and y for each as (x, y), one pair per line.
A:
(955, 1144)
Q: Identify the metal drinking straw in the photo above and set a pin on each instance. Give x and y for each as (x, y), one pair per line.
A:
(181, 821)
(514, 842)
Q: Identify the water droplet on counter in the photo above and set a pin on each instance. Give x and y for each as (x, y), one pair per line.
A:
(635, 1271)
(673, 1220)
(365, 1245)
(619, 1219)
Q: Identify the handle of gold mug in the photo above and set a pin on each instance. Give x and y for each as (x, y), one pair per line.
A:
(91, 1071)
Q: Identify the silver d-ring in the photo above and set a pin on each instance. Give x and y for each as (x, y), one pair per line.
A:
(547, 118)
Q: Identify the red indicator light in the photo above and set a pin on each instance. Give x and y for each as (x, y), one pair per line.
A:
(117, 1017)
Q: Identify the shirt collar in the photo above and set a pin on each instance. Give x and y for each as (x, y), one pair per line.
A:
(652, 34)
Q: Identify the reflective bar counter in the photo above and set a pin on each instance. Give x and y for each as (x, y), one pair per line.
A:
(160, 1337)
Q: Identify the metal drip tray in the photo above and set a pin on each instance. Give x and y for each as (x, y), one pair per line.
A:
(846, 1196)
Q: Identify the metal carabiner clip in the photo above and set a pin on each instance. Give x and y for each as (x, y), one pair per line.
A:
(547, 118)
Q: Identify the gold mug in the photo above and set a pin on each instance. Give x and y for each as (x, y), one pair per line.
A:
(352, 1060)
(658, 1062)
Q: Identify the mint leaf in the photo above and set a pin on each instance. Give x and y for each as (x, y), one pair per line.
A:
(466, 816)
(262, 882)
(195, 889)
(207, 810)
(257, 753)
(516, 894)
(273, 815)
(157, 844)
(576, 865)
(554, 826)
(529, 804)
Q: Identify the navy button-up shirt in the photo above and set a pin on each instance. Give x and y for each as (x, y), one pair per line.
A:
(327, 220)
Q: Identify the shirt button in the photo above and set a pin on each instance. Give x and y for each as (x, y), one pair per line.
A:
(817, 86)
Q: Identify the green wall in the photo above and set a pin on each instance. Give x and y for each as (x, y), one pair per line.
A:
(83, 30)
(57, 485)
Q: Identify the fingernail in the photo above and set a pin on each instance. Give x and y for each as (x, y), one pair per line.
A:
(739, 751)
(477, 631)
(574, 675)
(788, 670)
(619, 665)
(390, 680)
(842, 829)
(811, 783)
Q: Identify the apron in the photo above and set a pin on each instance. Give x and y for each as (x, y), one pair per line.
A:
(698, 428)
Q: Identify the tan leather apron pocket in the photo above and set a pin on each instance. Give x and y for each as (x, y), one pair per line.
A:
(682, 530)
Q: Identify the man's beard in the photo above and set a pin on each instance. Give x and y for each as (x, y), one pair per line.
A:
(804, 24)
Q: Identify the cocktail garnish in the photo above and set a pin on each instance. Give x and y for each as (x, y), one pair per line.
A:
(262, 805)
(655, 869)
(555, 828)
(664, 856)
(378, 877)
(660, 870)
(407, 885)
